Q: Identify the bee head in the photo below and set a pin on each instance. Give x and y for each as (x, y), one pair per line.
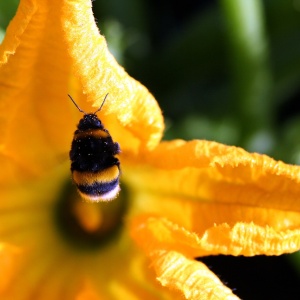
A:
(90, 121)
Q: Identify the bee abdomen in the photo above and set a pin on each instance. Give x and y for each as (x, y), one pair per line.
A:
(98, 186)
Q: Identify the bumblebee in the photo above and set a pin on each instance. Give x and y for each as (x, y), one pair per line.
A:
(95, 169)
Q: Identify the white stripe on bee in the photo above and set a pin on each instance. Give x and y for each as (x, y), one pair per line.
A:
(104, 197)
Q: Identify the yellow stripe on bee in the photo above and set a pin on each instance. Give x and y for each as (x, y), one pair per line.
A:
(88, 178)
(96, 133)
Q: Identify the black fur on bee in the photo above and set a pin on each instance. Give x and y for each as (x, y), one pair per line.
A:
(95, 169)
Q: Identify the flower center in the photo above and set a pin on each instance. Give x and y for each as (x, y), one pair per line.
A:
(89, 225)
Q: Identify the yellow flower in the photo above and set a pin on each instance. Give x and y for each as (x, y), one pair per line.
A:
(180, 200)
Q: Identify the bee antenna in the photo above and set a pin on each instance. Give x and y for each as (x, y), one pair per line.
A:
(101, 104)
(76, 105)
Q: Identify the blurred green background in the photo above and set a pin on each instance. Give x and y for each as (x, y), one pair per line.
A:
(227, 71)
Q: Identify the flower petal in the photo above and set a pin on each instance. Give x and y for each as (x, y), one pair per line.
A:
(87, 292)
(211, 199)
(9, 260)
(191, 278)
(153, 233)
(214, 173)
(34, 78)
(99, 74)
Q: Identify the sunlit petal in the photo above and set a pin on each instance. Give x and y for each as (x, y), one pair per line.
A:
(240, 239)
(99, 73)
(191, 278)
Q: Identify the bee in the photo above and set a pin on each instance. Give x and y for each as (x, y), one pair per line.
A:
(95, 169)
